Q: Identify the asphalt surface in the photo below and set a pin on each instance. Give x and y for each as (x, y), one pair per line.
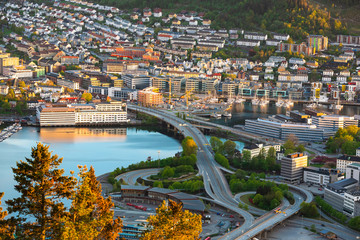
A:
(131, 177)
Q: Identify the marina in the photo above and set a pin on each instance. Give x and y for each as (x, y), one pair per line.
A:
(9, 131)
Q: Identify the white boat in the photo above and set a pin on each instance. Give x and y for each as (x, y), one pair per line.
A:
(240, 100)
(279, 103)
(336, 106)
(255, 101)
(227, 114)
(216, 115)
(288, 104)
(213, 100)
(263, 102)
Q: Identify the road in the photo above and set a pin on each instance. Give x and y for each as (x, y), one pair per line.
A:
(340, 230)
(131, 177)
(239, 132)
(216, 185)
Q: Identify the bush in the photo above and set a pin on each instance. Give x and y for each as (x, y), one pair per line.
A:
(223, 161)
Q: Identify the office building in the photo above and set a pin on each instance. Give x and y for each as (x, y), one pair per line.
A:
(331, 123)
(334, 192)
(282, 130)
(343, 161)
(321, 176)
(137, 81)
(292, 166)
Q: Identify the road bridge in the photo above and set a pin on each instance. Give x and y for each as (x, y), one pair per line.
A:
(216, 185)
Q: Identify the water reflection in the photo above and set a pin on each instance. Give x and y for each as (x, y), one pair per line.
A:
(81, 134)
(245, 110)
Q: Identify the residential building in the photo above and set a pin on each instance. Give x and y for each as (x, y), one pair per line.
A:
(248, 42)
(292, 166)
(348, 40)
(318, 42)
(321, 176)
(69, 60)
(148, 97)
(255, 149)
(343, 161)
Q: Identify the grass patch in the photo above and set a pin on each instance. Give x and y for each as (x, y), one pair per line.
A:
(245, 199)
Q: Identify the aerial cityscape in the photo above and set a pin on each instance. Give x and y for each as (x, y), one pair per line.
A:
(180, 120)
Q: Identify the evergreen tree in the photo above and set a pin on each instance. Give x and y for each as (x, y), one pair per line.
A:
(90, 215)
(6, 230)
(42, 188)
(172, 223)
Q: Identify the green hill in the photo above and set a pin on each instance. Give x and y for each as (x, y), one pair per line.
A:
(296, 17)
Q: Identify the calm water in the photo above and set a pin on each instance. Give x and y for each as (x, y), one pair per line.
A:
(246, 110)
(239, 145)
(104, 149)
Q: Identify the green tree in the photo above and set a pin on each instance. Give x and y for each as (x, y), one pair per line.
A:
(271, 157)
(215, 143)
(22, 84)
(309, 210)
(223, 161)
(42, 188)
(87, 97)
(90, 215)
(189, 146)
(355, 223)
(158, 184)
(229, 148)
(171, 222)
(167, 172)
(246, 156)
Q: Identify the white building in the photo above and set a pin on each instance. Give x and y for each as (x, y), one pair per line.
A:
(248, 43)
(68, 83)
(353, 171)
(256, 148)
(343, 161)
(79, 114)
(321, 176)
(350, 197)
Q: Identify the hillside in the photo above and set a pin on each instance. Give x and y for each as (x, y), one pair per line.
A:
(345, 10)
(296, 17)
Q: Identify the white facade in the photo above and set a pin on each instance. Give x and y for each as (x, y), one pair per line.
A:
(109, 113)
(248, 43)
(68, 84)
(353, 171)
(255, 151)
(350, 198)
